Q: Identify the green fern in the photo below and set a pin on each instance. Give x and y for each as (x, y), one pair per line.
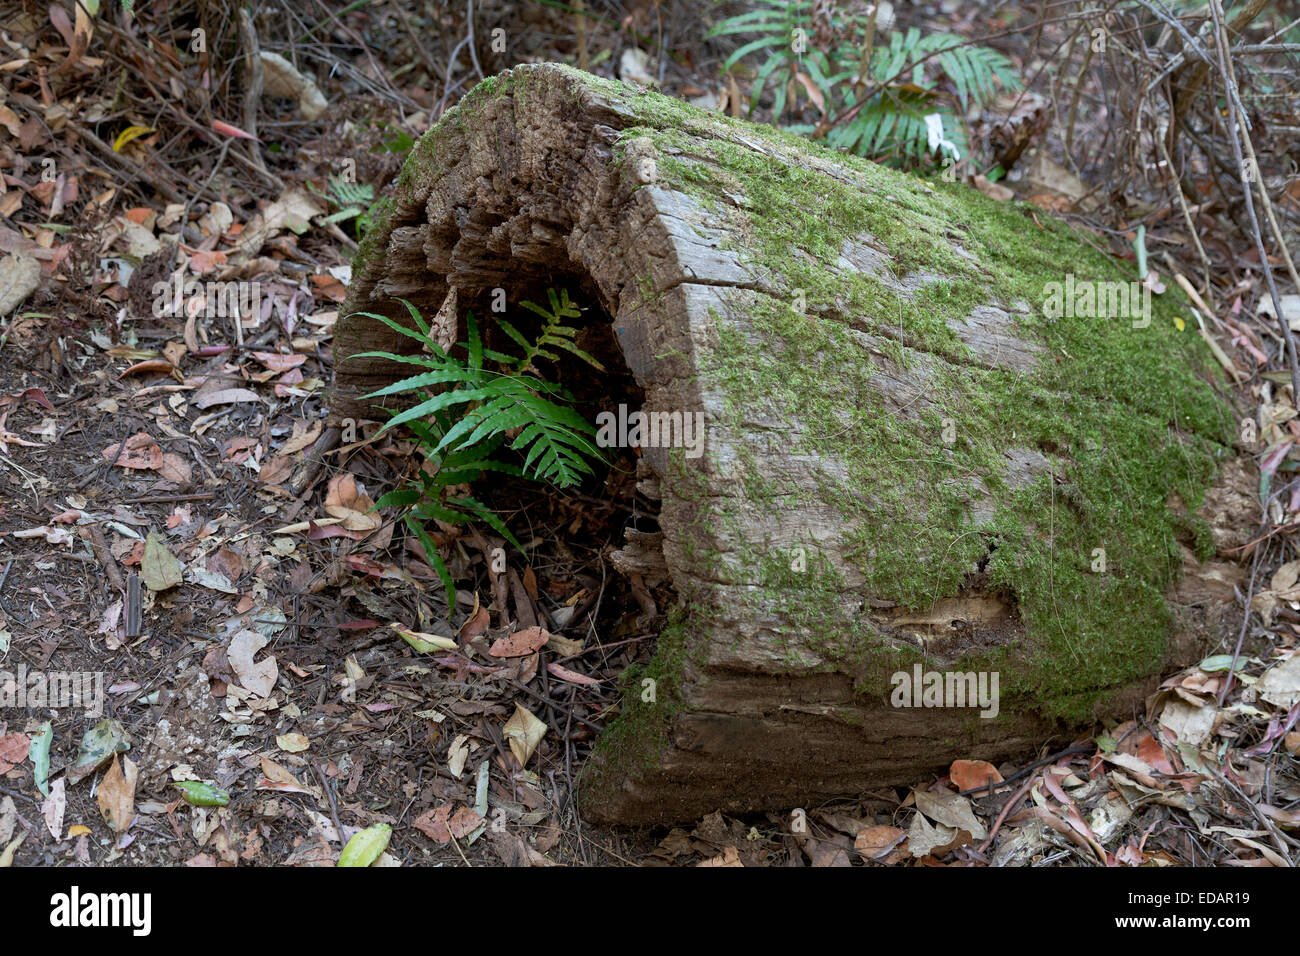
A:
(469, 412)
(354, 200)
(907, 74)
(777, 21)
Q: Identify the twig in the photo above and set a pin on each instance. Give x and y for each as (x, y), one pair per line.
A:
(1235, 136)
(334, 807)
(105, 557)
(568, 774)
(469, 25)
(1245, 622)
(547, 700)
(1006, 811)
(252, 100)
(1268, 824)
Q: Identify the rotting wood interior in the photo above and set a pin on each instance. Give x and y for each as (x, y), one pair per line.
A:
(621, 512)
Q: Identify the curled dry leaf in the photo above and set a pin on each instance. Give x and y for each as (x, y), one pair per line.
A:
(345, 500)
(572, 677)
(225, 129)
(441, 824)
(292, 743)
(116, 794)
(13, 751)
(729, 856)
(969, 774)
(53, 808)
(149, 365)
(141, 453)
(950, 809)
(457, 755)
(883, 844)
(256, 676)
(304, 435)
(525, 641)
(476, 624)
(523, 732)
(279, 363)
(283, 79)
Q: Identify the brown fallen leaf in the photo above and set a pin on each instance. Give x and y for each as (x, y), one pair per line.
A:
(257, 676)
(729, 856)
(175, 469)
(883, 844)
(312, 851)
(276, 471)
(140, 452)
(993, 190)
(526, 641)
(572, 677)
(969, 774)
(225, 396)
(13, 751)
(304, 434)
(515, 851)
(150, 365)
(476, 624)
(344, 499)
(441, 824)
(279, 363)
(523, 732)
(116, 794)
(276, 777)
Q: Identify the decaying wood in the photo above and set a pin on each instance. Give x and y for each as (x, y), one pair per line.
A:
(525, 189)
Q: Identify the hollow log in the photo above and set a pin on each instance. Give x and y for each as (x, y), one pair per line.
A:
(946, 440)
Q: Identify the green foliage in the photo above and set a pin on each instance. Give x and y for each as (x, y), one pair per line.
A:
(472, 410)
(397, 140)
(909, 76)
(353, 200)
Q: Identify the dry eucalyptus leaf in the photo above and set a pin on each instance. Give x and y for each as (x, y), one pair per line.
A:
(256, 676)
(1280, 684)
(159, 568)
(950, 809)
(524, 732)
(116, 794)
(19, 277)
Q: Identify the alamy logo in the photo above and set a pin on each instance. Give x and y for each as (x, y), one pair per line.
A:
(74, 909)
(1084, 299)
(923, 688)
(37, 689)
(225, 300)
(651, 430)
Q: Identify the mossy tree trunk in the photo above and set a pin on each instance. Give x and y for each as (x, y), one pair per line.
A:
(907, 462)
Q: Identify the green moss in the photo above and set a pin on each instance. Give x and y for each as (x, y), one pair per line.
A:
(636, 740)
(1127, 417)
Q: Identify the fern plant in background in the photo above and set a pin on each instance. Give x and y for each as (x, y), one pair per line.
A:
(789, 58)
(472, 412)
(899, 107)
(353, 200)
